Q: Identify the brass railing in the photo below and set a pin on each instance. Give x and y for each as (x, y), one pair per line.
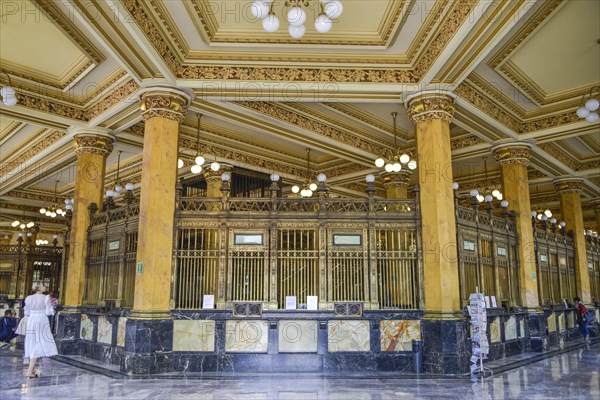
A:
(487, 253)
(555, 264)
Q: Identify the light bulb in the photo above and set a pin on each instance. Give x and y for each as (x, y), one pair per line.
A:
(53, 215)
(275, 177)
(69, 206)
(548, 213)
(321, 177)
(504, 203)
(303, 193)
(544, 217)
(380, 162)
(48, 213)
(480, 198)
(22, 226)
(592, 117)
(118, 188)
(370, 178)
(389, 167)
(196, 169)
(295, 189)
(323, 23)
(495, 192)
(553, 220)
(296, 16)
(474, 193)
(539, 216)
(500, 196)
(333, 9)
(309, 192)
(179, 163)
(488, 197)
(270, 23)
(110, 193)
(582, 112)
(225, 177)
(534, 214)
(42, 210)
(297, 31)
(592, 104)
(67, 201)
(215, 166)
(15, 224)
(312, 186)
(259, 9)
(396, 167)
(455, 185)
(199, 160)
(412, 164)
(59, 211)
(404, 158)
(129, 186)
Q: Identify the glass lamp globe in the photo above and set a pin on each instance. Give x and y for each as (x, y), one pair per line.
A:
(548, 213)
(22, 226)
(312, 186)
(59, 211)
(69, 206)
(179, 163)
(333, 9)
(488, 198)
(296, 16)
(389, 167)
(455, 185)
(539, 216)
(53, 215)
(297, 31)
(10, 100)
(225, 177)
(380, 162)
(396, 167)
(412, 164)
(29, 224)
(295, 189)
(504, 203)
(270, 23)
(15, 224)
(500, 196)
(309, 192)
(592, 117)
(129, 186)
(199, 160)
(534, 214)
(474, 193)
(553, 220)
(42, 210)
(480, 198)
(592, 104)
(404, 158)
(321, 177)
(370, 178)
(275, 177)
(495, 192)
(323, 23)
(196, 169)
(259, 9)
(215, 166)
(582, 112)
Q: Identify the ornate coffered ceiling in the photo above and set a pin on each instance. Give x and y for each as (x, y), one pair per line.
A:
(518, 69)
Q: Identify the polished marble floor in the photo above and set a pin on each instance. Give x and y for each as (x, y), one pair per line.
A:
(572, 375)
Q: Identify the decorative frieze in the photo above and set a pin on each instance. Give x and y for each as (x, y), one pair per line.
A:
(512, 154)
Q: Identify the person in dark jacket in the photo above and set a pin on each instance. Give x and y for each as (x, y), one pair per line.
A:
(582, 319)
(8, 327)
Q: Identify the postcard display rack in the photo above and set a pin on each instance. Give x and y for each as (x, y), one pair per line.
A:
(480, 343)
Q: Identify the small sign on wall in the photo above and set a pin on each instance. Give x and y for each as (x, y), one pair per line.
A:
(312, 302)
(290, 302)
(208, 301)
(139, 268)
(114, 245)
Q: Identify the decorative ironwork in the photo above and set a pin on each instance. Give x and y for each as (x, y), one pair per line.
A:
(348, 309)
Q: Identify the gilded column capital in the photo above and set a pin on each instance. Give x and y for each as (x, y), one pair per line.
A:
(568, 185)
(93, 140)
(426, 106)
(164, 102)
(210, 175)
(512, 153)
(396, 179)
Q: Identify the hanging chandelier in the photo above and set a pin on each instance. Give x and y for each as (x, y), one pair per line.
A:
(22, 224)
(199, 159)
(53, 209)
(296, 15)
(488, 193)
(309, 187)
(588, 109)
(8, 96)
(395, 160)
(116, 192)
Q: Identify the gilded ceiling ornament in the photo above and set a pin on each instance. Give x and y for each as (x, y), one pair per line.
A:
(50, 106)
(559, 155)
(121, 94)
(31, 152)
(430, 106)
(463, 142)
(31, 196)
(396, 179)
(569, 186)
(94, 144)
(164, 105)
(518, 154)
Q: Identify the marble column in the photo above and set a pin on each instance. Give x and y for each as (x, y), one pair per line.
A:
(514, 159)
(569, 191)
(92, 146)
(444, 330)
(163, 109)
(396, 184)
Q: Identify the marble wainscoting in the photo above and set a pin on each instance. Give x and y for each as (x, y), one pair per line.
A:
(190, 335)
(510, 328)
(298, 336)
(67, 332)
(399, 335)
(247, 336)
(446, 345)
(348, 335)
(105, 330)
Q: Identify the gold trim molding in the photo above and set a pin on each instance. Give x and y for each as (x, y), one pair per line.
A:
(569, 186)
(430, 106)
(512, 154)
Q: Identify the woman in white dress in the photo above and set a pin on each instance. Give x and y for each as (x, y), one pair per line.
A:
(39, 341)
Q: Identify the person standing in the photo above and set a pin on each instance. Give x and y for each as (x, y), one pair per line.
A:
(39, 341)
(581, 318)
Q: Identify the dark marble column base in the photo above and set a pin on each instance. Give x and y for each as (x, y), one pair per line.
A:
(148, 346)
(446, 348)
(144, 364)
(67, 332)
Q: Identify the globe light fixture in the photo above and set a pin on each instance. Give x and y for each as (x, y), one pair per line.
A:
(199, 159)
(53, 209)
(394, 162)
(296, 15)
(589, 108)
